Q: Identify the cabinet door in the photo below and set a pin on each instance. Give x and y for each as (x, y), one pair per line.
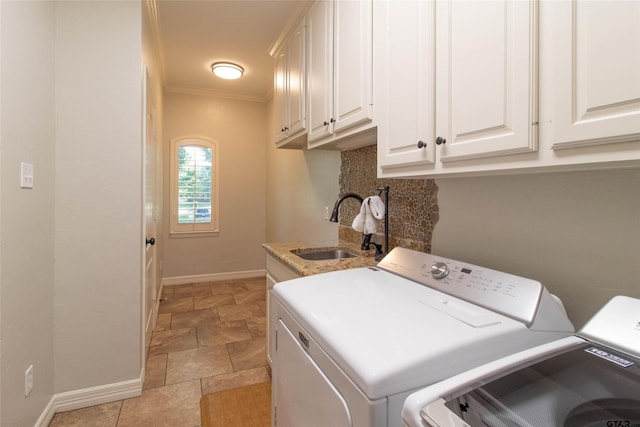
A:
(404, 96)
(295, 83)
(279, 90)
(319, 70)
(486, 78)
(596, 80)
(353, 44)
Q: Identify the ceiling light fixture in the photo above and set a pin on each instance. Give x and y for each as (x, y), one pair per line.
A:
(227, 70)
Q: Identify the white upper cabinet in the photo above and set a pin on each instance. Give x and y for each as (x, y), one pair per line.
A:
(455, 80)
(486, 78)
(339, 72)
(289, 92)
(596, 77)
(319, 69)
(279, 93)
(352, 56)
(520, 86)
(404, 93)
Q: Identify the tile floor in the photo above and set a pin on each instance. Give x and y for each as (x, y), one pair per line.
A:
(208, 337)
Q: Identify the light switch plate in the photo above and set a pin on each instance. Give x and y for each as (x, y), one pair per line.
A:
(26, 175)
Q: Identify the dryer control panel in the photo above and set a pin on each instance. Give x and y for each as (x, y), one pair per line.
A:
(513, 296)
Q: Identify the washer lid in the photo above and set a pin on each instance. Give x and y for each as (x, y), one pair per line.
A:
(390, 335)
(616, 325)
(586, 386)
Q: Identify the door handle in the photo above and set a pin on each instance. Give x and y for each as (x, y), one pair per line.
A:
(151, 241)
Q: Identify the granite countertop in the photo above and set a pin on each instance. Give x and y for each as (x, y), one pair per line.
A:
(282, 251)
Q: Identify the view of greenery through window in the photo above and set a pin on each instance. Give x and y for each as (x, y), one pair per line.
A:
(194, 184)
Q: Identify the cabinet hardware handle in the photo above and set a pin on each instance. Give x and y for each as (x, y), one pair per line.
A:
(151, 241)
(422, 144)
(326, 123)
(440, 140)
(286, 129)
(332, 120)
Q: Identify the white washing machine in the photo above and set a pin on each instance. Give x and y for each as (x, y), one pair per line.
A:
(351, 345)
(588, 380)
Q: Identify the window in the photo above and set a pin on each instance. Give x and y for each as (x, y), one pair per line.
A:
(194, 185)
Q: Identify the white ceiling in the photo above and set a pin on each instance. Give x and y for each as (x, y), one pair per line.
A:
(195, 34)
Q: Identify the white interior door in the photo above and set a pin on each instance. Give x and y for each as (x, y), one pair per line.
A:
(150, 213)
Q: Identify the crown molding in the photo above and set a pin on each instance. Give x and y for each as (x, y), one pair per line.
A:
(152, 11)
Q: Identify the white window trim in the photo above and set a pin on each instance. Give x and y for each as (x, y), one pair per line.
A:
(195, 230)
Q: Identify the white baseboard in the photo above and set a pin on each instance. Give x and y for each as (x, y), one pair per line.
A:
(235, 275)
(84, 398)
(47, 415)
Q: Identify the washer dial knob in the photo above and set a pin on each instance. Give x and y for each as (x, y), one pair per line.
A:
(439, 270)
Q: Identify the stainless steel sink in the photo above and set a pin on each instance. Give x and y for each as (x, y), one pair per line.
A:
(323, 254)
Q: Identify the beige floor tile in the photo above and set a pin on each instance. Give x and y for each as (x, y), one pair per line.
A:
(234, 380)
(257, 326)
(176, 305)
(176, 405)
(248, 354)
(222, 333)
(155, 371)
(188, 319)
(190, 290)
(105, 415)
(263, 306)
(180, 291)
(201, 289)
(163, 322)
(256, 283)
(167, 292)
(228, 313)
(173, 340)
(228, 287)
(248, 297)
(214, 300)
(198, 363)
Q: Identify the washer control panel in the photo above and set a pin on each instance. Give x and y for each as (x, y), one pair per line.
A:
(514, 296)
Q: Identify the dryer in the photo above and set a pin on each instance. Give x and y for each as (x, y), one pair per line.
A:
(351, 345)
(588, 380)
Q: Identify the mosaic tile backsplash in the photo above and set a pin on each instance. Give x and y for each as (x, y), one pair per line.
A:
(413, 203)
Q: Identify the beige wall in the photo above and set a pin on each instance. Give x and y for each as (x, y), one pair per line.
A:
(239, 128)
(299, 185)
(27, 129)
(70, 260)
(577, 233)
(98, 190)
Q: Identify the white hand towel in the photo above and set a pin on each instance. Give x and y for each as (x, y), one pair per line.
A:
(377, 207)
(358, 221)
(371, 210)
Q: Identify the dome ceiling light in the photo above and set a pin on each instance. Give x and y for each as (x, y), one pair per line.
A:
(227, 70)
